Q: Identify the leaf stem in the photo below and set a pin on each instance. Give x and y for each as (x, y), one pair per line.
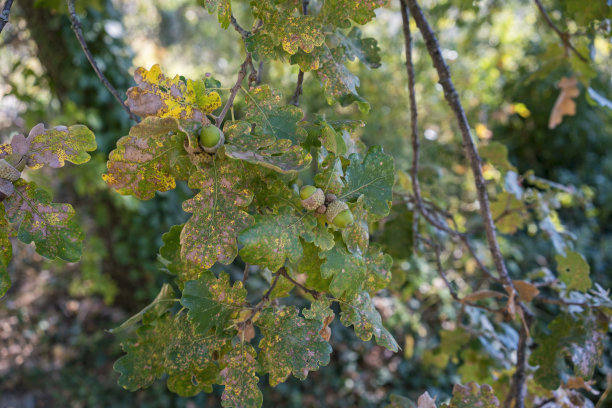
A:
(295, 99)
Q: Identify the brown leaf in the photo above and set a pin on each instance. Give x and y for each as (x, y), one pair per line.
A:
(578, 382)
(564, 104)
(325, 332)
(526, 290)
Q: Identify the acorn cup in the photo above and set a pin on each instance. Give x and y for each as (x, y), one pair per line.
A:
(8, 172)
(339, 214)
(312, 197)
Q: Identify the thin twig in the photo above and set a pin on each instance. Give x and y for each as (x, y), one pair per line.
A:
(76, 27)
(6, 11)
(234, 90)
(518, 390)
(565, 37)
(245, 275)
(312, 292)
(259, 72)
(442, 274)
(244, 33)
(261, 304)
(414, 117)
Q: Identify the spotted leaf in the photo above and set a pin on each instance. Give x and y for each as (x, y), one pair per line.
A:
(348, 271)
(239, 378)
(274, 238)
(53, 147)
(149, 159)
(161, 96)
(366, 321)
(218, 214)
(49, 225)
(211, 301)
(290, 345)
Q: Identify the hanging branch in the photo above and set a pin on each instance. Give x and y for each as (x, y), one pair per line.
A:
(565, 37)
(452, 98)
(6, 11)
(414, 117)
(517, 392)
(76, 27)
(295, 99)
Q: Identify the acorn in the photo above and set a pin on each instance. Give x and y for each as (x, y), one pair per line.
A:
(211, 138)
(8, 172)
(321, 210)
(312, 197)
(339, 214)
(330, 198)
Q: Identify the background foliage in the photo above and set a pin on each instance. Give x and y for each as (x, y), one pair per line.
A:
(505, 62)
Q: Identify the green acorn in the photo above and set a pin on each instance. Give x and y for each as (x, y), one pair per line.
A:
(211, 138)
(312, 197)
(8, 172)
(339, 214)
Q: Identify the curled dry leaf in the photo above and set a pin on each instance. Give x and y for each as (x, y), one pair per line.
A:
(526, 290)
(564, 104)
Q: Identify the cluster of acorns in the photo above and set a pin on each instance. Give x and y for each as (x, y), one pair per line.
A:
(10, 171)
(336, 211)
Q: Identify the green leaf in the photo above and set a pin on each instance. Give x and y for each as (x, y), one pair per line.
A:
(238, 376)
(301, 32)
(348, 271)
(280, 155)
(340, 12)
(149, 159)
(163, 97)
(497, 154)
(361, 313)
(338, 82)
(163, 302)
(357, 236)
(378, 266)
(511, 211)
(577, 336)
(49, 225)
(291, 345)
(320, 236)
(574, 271)
(170, 254)
(266, 111)
(218, 214)
(319, 311)
(274, 238)
(473, 395)
(223, 9)
(212, 301)
(310, 265)
(54, 147)
(329, 177)
(6, 252)
(168, 345)
(373, 177)
(364, 49)
(330, 139)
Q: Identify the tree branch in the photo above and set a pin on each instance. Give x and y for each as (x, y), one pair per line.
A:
(414, 121)
(234, 90)
(6, 11)
(452, 98)
(76, 27)
(563, 36)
